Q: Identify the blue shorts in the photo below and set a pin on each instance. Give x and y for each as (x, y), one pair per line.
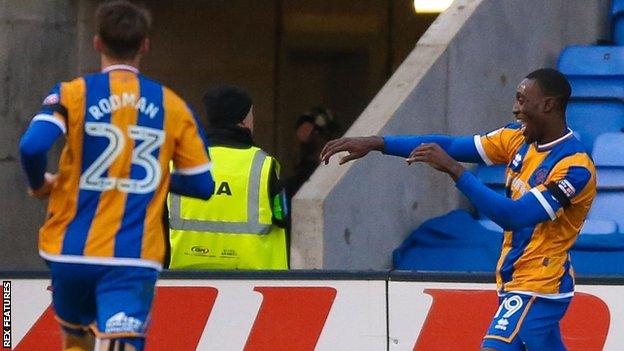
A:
(525, 322)
(113, 301)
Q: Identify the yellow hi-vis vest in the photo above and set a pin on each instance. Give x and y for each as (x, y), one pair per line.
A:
(233, 229)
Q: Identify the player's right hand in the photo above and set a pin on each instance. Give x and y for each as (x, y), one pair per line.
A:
(49, 180)
(357, 147)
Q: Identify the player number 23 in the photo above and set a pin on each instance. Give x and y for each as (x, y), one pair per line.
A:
(151, 139)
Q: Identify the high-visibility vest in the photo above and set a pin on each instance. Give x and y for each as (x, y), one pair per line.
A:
(233, 229)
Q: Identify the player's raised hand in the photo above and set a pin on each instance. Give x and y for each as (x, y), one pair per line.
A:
(433, 155)
(357, 147)
(49, 180)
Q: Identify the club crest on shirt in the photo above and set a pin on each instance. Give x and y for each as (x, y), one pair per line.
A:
(540, 175)
(51, 99)
(566, 187)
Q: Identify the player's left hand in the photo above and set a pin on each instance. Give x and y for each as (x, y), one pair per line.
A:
(433, 155)
(49, 180)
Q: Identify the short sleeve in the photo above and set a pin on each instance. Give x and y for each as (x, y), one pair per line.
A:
(569, 184)
(190, 156)
(52, 110)
(499, 146)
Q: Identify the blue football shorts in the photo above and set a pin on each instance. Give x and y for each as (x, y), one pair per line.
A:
(112, 301)
(525, 322)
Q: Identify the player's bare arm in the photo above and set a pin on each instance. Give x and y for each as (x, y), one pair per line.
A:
(357, 147)
(433, 155)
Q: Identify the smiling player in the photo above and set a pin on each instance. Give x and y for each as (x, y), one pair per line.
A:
(550, 185)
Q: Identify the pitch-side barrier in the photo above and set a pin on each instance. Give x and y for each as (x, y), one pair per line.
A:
(319, 310)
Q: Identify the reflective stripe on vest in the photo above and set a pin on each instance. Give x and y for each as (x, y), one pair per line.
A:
(252, 226)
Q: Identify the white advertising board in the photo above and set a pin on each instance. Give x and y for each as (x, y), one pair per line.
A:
(232, 315)
(321, 315)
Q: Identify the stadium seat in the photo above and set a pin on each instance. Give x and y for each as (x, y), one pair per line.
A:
(599, 227)
(490, 225)
(610, 178)
(589, 118)
(607, 155)
(608, 205)
(588, 61)
(453, 242)
(599, 262)
(594, 72)
(492, 176)
(617, 7)
(617, 18)
(597, 87)
(608, 150)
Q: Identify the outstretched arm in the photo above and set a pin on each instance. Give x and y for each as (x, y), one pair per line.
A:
(462, 148)
(500, 209)
(357, 147)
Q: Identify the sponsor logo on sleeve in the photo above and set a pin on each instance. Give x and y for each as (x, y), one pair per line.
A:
(567, 188)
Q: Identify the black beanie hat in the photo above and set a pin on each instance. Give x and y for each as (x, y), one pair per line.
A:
(226, 105)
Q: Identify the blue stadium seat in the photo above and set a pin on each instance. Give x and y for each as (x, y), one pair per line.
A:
(617, 18)
(595, 72)
(607, 155)
(590, 61)
(490, 225)
(610, 178)
(599, 227)
(597, 87)
(608, 150)
(608, 205)
(599, 262)
(591, 118)
(617, 7)
(492, 176)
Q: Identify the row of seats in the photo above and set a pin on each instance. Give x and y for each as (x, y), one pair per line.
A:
(459, 242)
(596, 113)
(596, 74)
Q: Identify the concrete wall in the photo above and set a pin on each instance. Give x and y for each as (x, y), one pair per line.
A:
(29, 66)
(289, 54)
(460, 79)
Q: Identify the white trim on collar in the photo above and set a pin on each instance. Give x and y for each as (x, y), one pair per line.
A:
(121, 67)
(546, 146)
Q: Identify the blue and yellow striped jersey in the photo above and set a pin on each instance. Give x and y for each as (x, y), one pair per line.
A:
(562, 177)
(122, 130)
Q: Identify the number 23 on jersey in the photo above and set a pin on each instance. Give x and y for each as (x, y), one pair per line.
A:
(95, 178)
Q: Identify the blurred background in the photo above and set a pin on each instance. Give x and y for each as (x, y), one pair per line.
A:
(292, 55)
